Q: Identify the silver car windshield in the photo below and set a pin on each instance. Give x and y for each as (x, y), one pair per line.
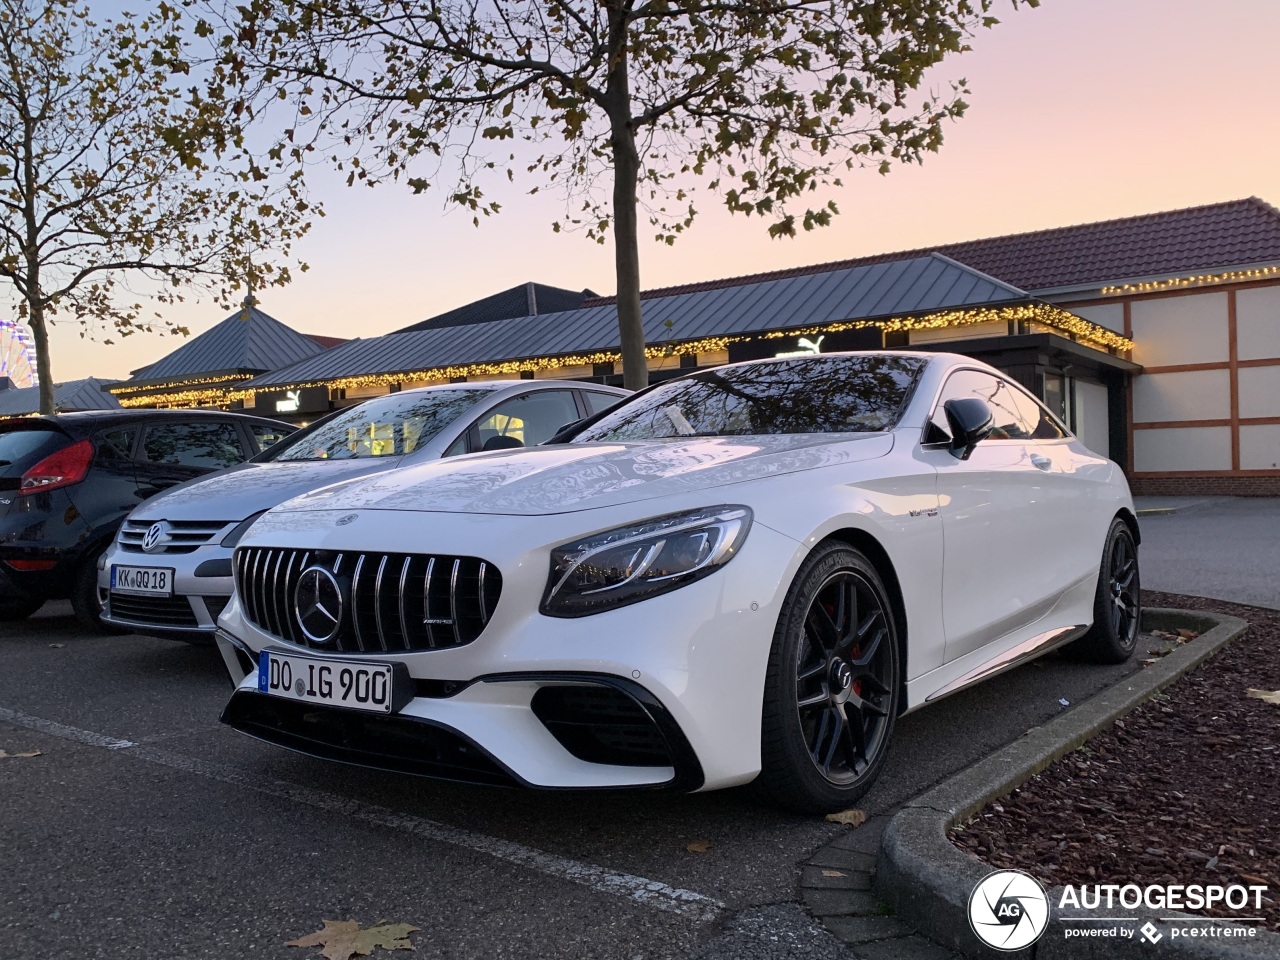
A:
(385, 427)
(848, 393)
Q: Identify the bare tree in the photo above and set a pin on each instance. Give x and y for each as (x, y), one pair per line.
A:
(109, 169)
(627, 105)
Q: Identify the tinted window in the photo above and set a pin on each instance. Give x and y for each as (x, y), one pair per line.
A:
(833, 394)
(1017, 415)
(597, 402)
(208, 445)
(386, 427)
(120, 440)
(20, 449)
(529, 419)
(264, 435)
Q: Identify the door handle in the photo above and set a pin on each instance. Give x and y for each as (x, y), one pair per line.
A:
(1041, 463)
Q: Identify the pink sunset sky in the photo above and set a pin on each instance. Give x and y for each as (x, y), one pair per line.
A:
(1081, 110)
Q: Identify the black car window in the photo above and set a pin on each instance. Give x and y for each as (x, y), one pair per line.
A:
(596, 402)
(266, 435)
(120, 439)
(20, 449)
(839, 393)
(208, 445)
(1017, 414)
(529, 419)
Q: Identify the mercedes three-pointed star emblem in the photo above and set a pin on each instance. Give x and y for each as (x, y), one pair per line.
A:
(317, 603)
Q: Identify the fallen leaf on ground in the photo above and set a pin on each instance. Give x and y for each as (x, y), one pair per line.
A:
(5, 755)
(343, 939)
(698, 846)
(833, 873)
(1185, 634)
(1266, 696)
(853, 817)
(57, 646)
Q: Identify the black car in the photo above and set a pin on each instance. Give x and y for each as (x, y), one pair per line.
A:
(67, 482)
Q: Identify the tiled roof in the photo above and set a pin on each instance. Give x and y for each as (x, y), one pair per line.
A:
(249, 344)
(899, 288)
(1217, 235)
(87, 394)
(526, 300)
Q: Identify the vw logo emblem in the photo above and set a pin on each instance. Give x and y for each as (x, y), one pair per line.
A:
(317, 603)
(156, 537)
(349, 518)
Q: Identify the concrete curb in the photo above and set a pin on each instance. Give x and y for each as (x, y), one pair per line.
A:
(927, 880)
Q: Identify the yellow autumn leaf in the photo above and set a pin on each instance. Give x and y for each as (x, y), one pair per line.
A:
(852, 817)
(698, 846)
(343, 939)
(1266, 696)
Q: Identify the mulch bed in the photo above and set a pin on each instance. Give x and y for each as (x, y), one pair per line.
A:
(1185, 789)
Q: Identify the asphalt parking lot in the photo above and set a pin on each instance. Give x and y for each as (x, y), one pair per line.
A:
(144, 827)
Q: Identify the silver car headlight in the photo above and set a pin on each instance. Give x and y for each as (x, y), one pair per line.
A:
(641, 560)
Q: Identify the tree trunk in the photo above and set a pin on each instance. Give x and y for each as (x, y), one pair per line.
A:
(626, 172)
(40, 334)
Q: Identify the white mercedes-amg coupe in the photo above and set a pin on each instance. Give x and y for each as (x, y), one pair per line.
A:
(746, 573)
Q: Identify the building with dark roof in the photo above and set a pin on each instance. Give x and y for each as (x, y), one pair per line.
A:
(87, 394)
(527, 300)
(204, 369)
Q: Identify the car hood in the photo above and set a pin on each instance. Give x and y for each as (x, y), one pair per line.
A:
(248, 488)
(583, 476)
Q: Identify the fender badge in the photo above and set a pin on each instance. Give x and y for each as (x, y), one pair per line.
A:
(349, 518)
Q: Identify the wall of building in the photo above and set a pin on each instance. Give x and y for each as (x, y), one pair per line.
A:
(1204, 414)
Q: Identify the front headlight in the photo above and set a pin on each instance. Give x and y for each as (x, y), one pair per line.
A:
(642, 560)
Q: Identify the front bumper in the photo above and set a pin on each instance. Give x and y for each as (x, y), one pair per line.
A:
(202, 588)
(689, 665)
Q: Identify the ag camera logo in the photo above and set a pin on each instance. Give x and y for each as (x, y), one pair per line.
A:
(1008, 910)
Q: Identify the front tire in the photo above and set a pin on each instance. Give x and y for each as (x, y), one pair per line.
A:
(832, 685)
(87, 602)
(1117, 607)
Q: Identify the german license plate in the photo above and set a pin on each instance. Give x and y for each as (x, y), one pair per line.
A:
(146, 581)
(354, 684)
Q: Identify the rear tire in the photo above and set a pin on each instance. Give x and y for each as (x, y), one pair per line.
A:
(1117, 606)
(832, 685)
(13, 609)
(86, 601)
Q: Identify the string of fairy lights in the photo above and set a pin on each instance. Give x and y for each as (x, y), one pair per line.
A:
(1199, 280)
(224, 390)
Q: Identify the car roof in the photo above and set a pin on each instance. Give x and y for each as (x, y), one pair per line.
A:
(84, 422)
(520, 386)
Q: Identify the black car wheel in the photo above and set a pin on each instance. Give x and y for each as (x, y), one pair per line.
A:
(13, 609)
(1117, 607)
(87, 602)
(832, 687)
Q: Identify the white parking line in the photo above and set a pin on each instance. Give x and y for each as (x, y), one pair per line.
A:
(648, 893)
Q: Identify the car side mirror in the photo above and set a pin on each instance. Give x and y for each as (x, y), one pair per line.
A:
(970, 421)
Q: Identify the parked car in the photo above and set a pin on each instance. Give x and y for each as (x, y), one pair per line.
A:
(747, 572)
(169, 571)
(66, 483)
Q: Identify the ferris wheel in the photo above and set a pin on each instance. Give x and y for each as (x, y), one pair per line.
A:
(17, 358)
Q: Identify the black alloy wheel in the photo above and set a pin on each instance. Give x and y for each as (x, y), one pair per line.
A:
(1117, 608)
(832, 691)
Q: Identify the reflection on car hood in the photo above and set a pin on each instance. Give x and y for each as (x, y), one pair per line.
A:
(583, 476)
(249, 488)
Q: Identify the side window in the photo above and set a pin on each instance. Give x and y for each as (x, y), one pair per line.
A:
(599, 401)
(1007, 403)
(120, 440)
(209, 446)
(264, 435)
(529, 419)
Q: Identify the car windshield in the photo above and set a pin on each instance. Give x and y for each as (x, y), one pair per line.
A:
(385, 427)
(839, 393)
